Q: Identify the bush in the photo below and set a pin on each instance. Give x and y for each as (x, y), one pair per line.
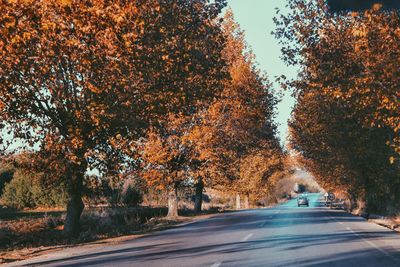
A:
(132, 192)
(126, 192)
(19, 192)
(116, 221)
(6, 174)
(26, 190)
(51, 196)
(132, 196)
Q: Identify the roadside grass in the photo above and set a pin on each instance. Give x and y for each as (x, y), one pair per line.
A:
(7, 214)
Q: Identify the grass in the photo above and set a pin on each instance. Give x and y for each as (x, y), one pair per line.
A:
(11, 214)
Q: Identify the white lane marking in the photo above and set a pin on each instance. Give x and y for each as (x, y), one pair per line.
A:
(372, 244)
(247, 237)
(217, 264)
(270, 217)
(265, 222)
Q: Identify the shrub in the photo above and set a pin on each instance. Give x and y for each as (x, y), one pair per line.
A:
(116, 192)
(26, 190)
(50, 196)
(132, 196)
(19, 192)
(6, 174)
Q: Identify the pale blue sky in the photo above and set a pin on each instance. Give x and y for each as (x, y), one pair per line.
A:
(255, 18)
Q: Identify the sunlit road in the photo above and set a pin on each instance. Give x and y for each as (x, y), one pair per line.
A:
(282, 236)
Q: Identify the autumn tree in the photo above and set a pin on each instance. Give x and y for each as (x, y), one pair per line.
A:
(206, 147)
(245, 118)
(165, 158)
(80, 78)
(346, 121)
(351, 56)
(342, 154)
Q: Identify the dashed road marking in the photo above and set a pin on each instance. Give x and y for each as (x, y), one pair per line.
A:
(247, 237)
(217, 264)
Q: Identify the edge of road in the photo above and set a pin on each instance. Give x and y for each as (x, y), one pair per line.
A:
(388, 222)
(384, 221)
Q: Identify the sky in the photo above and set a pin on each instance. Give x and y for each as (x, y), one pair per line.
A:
(256, 19)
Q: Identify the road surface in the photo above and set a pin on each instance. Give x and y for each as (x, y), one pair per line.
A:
(285, 235)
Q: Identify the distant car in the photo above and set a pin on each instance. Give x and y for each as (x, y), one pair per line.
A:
(302, 200)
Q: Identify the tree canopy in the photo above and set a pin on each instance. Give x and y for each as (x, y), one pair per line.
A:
(78, 77)
(346, 121)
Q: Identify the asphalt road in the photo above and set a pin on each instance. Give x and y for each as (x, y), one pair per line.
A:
(286, 235)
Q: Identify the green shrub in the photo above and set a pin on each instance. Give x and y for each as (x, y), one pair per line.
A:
(19, 192)
(51, 196)
(132, 196)
(26, 190)
(127, 192)
(6, 174)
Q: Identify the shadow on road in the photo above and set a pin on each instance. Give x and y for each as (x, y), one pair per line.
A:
(359, 258)
(136, 255)
(170, 245)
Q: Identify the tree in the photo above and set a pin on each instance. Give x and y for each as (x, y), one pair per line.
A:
(342, 154)
(351, 56)
(345, 123)
(165, 158)
(259, 172)
(247, 108)
(205, 147)
(238, 124)
(80, 79)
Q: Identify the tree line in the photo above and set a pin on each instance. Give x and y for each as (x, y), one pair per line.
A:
(167, 91)
(346, 123)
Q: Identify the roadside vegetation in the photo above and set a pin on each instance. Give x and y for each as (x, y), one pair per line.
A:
(346, 123)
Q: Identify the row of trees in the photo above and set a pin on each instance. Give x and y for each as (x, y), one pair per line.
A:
(165, 90)
(346, 122)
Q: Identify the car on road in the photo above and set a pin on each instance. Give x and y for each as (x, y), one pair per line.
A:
(302, 200)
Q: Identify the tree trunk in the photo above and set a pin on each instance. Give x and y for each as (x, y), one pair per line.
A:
(238, 201)
(75, 204)
(173, 202)
(246, 201)
(198, 202)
